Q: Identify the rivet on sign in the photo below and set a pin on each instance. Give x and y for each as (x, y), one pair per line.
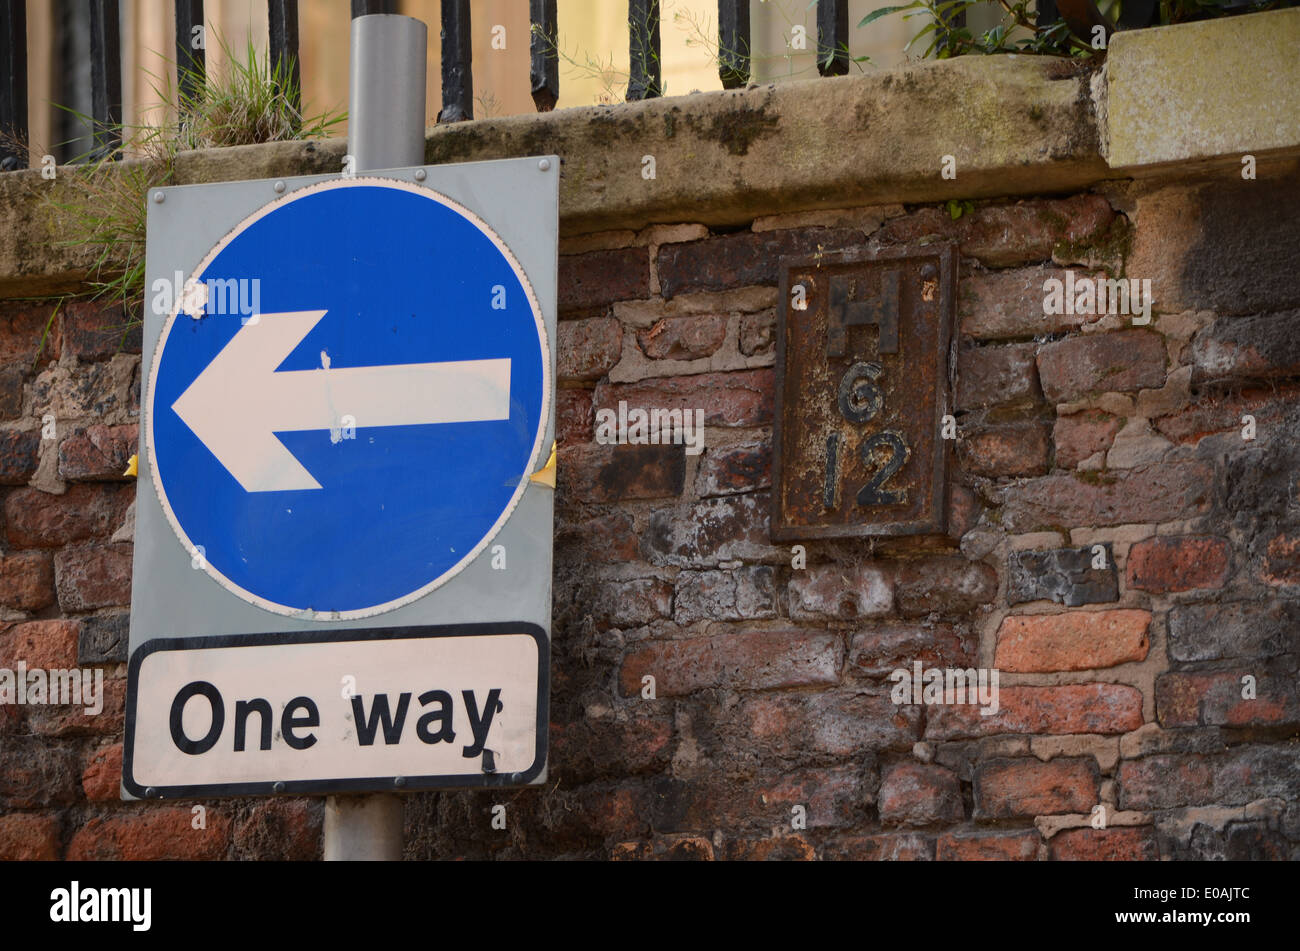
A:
(158, 197)
(420, 174)
(544, 165)
(399, 781)
(279, 187)
(278, 787)
(150, 793)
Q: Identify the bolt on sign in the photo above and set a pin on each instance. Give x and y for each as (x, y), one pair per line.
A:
(342, 577)
(863, 383)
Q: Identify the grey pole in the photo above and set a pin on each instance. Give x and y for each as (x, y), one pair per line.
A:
(385, 130)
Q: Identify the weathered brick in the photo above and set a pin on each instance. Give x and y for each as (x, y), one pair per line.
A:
(29, 837)
(103, 639)
(1063, 575)
(282, 830)
(1080, 435)
(1154, 493)
(998, 847)
(915, 794)
(1069, 708)
(1213, 631)
(35, 772)
(757, 333)
(1005, 450)
(26, 581)
(752, 660)
(1076, 640)
(1167, 563)
(102, 778)
(603, 538)
(573, 417)
(831, 722)
(596, 473)
(892, 645)
(1231, 778)
(1101, 363)
(98, 452)
(741, 398)
(999, 235)
(1006, 788)
(37, 519)
(1215, 699)
(160, 833)
(743, 259)
(991, 376)
(598, 278)
(739, 595)
(1260, 841)
(711, 531)
(903, 847)
(1002, 305)
(946, 584)
(19, 454)
(94, 577)
(94, 329)
(683, 338)
(12, 378)
(624, 604)
(1117, 844)
(675, 848)
(726, 471)
(49, 645)
(779, 848)
(1219, 411)
(1281, 562)
(587, 349)
(840, 591)
(608, 748)
(73, 720)
(23, 332)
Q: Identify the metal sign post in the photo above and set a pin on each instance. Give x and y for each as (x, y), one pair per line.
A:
(385, 130)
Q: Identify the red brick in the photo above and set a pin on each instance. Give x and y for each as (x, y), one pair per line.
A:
(1005, 450)
(1058, 710)
(1008, 788)
(598, 278)
(1281, 565)
(1120, 844)
(19, 455)
(151, 834)
(38, 519)
(683, 338)
(13, 376)
(944, 584)
(779, 848)
(757, 333)
(999, 305)
(743, 259)
(73, 719)
(26, 581)
(905, 847)
(27, 837)
(916, 794)
(95, 577)
(1215, 699)
(1259, 347)
(23, 331)
(94, 329)
(742, 398)
(1167, 563)
(1075, 640)
(98, 453)
(840, 591)
(606, 538)
(991, 376)
(587, 349)
(675, 848)
(1155, 493)
(1220, 412)
(573, 417)
(596, 473)
(794, 724)
(1115, 362)
(887, 646)
(999, 235)
(281, 830)
(48, 645)
(726, 471)
(102, 778)
(1081, 435)
(1000, 847)
(754, 660)
(830, 797)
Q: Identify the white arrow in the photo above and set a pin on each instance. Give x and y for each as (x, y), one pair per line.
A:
(239, 402)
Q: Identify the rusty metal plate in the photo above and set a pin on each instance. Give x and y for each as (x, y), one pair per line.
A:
(863, 384)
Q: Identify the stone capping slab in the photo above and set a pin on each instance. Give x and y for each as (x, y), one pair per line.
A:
(1214, 88)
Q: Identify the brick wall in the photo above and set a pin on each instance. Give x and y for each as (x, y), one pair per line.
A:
(1121, 686)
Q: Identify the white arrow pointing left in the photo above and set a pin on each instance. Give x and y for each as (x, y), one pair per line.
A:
(239, 402)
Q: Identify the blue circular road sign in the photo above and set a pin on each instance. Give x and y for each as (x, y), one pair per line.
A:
(347, 399)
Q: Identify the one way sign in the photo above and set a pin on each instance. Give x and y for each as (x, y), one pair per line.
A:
(349, 386)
